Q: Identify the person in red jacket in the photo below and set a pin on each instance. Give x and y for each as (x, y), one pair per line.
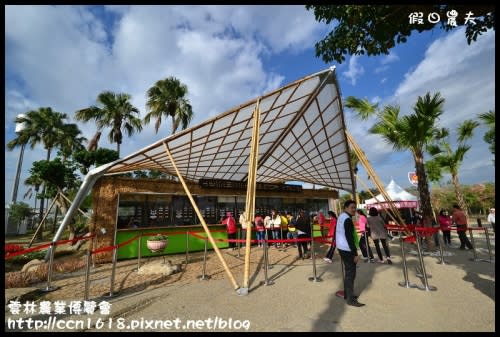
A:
(445, 222)
(231, 228)
(331, 231)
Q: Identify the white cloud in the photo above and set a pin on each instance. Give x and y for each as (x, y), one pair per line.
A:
(465, 77)
(381, 69)
(66, 56)
(392, 57)
(354, 71)
(382, 81)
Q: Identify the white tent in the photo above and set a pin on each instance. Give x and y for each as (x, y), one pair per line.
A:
(398, 195)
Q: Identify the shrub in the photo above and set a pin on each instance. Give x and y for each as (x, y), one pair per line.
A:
(12, 248)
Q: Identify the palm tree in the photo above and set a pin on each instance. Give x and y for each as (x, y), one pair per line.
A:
(40, 126)
(117, 113)
(71, 140)
(168, 98)
(450, 161)
(412, 132)
(489, 137)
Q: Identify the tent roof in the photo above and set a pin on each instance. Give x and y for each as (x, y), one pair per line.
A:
(395, 192)
(302, 138)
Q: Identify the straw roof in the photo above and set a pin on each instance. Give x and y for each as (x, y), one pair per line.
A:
(302, 138)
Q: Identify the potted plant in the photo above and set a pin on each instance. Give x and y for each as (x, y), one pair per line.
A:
(157, 243)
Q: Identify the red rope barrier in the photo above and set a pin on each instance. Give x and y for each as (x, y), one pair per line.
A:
(29, 250)
(32, 249)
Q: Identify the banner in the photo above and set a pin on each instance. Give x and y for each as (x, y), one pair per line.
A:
(412, 177)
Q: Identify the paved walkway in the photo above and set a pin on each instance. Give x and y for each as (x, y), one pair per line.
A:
(464, 300)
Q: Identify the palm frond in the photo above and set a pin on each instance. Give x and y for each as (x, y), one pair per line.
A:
(362, 107)
(466, 129)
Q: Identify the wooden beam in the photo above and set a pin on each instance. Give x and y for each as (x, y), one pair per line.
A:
(202, 220)
(251, 189)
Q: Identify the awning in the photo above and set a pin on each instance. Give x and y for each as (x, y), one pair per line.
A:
(302, 138)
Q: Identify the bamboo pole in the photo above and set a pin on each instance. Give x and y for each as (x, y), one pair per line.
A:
(251, 189)
(43, 220)
(67, 199)
(366, 164)
(202, 220)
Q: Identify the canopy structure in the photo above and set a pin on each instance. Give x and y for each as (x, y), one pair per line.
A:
(400, 198)
(301, 138)
(295, 133)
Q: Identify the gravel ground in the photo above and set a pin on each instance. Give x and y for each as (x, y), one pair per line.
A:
(464, 300)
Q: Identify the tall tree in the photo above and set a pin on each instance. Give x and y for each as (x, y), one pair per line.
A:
(375, 29)
(168, 98)
(449, 160)
(40, 126)
(488, 119)
(43, 126)
(116, 113)
(71, 140)
(413, 132)
(59, 177)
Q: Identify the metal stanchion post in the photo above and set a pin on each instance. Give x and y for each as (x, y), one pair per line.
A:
(266, 237)
(204, 276)
(187, 247)
(365, 234)
(426, 285)
(406, 283)
(314, 278)
(419, 268)
(440, 241)
(139, 251)
(267, 282)
(49, 272)
(486, 232)
(113, 272)
(473, 246)
(87, 275)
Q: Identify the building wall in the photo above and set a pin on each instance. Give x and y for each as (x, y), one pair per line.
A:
(105, 201)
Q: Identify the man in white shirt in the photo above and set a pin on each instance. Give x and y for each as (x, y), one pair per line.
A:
(491, 218)
(344, 234)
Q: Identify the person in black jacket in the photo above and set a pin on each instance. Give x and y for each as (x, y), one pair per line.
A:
(303, 231)
(344, 238)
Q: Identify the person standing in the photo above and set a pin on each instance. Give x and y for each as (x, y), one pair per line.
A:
(378, 234)
(303, 232)
(276, 226)
(345, 241)
(292, 231)
(363, 240)
(231, 229)
(260, 229)
(445, 223)
(491, 218)
(460, 220)
(331, 236)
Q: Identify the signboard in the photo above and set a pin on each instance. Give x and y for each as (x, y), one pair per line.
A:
(242, 185)
(413, 178)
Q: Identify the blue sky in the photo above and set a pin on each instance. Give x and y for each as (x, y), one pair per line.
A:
(64, 56)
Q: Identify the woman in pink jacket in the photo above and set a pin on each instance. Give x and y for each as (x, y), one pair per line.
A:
(445, 222)
(231, 228)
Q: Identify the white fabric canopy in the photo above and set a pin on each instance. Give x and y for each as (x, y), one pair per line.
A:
(397, 194)
(302, 138)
